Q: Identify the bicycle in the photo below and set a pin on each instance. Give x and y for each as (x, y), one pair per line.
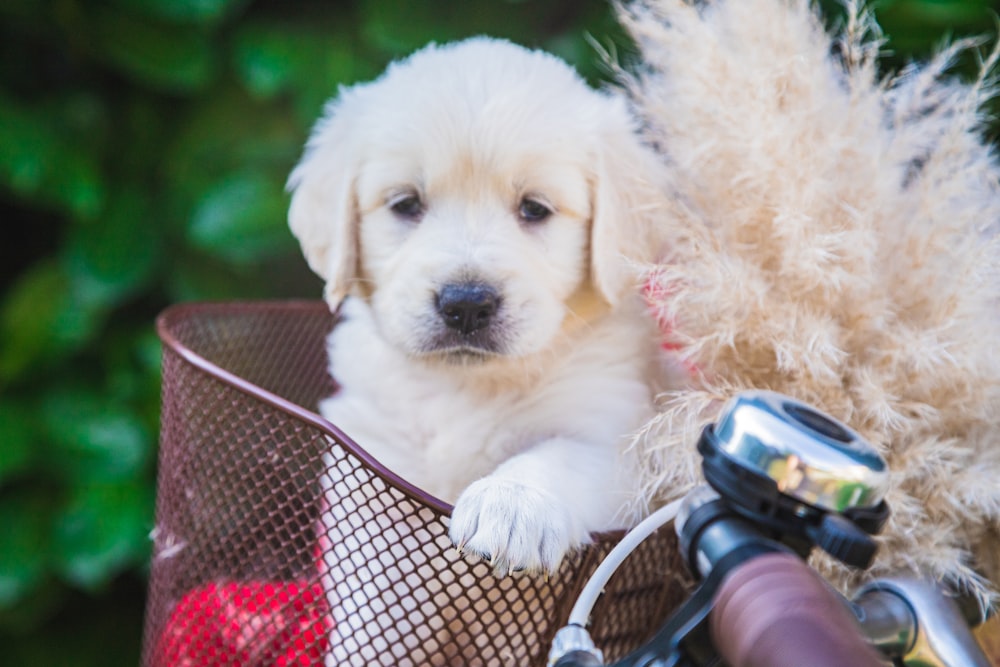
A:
(782, 479)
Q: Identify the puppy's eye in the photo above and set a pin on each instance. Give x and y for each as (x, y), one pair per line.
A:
(407, 206)
(532, 210)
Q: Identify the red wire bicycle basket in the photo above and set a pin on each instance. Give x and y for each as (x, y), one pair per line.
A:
(247, 569)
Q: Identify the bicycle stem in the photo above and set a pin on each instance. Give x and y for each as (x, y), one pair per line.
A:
(911, 620)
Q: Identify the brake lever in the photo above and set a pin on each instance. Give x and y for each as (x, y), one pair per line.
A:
(684, 639)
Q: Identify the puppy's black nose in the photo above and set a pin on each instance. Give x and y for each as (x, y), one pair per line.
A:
(467, 307)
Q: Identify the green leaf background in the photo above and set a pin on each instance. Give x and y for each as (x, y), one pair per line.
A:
(144, 145)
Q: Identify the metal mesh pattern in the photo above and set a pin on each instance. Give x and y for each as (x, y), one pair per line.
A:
(254, 564)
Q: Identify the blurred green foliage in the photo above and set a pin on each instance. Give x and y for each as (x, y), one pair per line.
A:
(144, 146)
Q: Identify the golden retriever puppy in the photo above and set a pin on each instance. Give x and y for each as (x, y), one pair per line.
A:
(471, 211)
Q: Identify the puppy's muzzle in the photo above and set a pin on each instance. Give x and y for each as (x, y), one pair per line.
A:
(467, 307)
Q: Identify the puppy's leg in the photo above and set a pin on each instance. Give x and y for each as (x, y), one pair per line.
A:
(390, 589)
(540, 504)
(345, 575)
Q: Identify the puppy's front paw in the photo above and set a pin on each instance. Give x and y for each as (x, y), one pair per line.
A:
(515, 526)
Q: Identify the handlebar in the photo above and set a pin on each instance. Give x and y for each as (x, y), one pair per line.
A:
(746, 535)
(770, 610)
(775, 611)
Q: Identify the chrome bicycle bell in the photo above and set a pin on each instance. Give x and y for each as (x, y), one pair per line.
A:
(799, 472)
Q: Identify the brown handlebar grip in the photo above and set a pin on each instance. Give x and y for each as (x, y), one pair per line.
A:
(775, 611)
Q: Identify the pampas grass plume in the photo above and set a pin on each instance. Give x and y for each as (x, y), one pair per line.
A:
(831, 235)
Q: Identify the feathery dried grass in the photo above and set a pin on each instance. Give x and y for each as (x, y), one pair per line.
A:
(833, 236)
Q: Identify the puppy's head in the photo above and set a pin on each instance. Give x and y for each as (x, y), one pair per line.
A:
(471, 194)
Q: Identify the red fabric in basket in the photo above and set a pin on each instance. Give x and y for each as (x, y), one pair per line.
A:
(258, 624)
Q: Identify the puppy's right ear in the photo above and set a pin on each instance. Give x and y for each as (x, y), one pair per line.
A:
(323, 214)
(627, 201)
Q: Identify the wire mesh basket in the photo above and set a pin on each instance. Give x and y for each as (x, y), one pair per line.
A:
(251, 566)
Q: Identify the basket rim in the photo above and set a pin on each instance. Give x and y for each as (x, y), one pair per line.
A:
(174, 314)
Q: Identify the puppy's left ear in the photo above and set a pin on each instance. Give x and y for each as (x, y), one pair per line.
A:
(323, 214)
(626, 202)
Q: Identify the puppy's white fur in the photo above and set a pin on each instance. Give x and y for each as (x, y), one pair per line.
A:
(523, 427)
